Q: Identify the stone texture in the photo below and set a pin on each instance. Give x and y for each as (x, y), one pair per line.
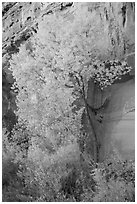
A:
(119, 121)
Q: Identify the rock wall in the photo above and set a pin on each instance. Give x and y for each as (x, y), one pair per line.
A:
(117, 128)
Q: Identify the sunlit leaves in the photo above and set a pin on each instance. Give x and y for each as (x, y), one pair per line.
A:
(44, 102)
(107, 72)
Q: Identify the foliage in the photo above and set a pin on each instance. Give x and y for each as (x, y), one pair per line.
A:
(115, 181)
(63, 176)
(108, 71)
(44, 171)
(12, 185)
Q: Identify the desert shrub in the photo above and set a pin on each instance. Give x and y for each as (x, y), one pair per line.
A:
(33, 170)
(115, 181)
(12, 185)
(62, 176)
(46, 173)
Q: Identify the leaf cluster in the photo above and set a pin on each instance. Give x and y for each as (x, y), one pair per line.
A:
(107, 72)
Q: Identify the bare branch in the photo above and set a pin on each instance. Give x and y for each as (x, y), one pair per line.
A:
(41, 77)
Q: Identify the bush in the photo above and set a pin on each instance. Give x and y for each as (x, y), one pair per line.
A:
(115, 181)
(62, 176)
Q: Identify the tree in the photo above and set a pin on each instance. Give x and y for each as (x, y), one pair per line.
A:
(55, 71)
(51, 74)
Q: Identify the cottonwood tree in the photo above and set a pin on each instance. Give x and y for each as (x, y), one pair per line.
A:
(50, 76)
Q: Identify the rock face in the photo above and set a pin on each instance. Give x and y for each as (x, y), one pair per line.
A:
(117, 128)
(119, 121)
(20, 22)
(115, 122)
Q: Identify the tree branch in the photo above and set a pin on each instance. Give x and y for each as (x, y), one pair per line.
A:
(40, 77)
(96, 144)
(103, 106)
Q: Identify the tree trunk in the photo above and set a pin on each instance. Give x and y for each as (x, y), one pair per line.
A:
(95, 138)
